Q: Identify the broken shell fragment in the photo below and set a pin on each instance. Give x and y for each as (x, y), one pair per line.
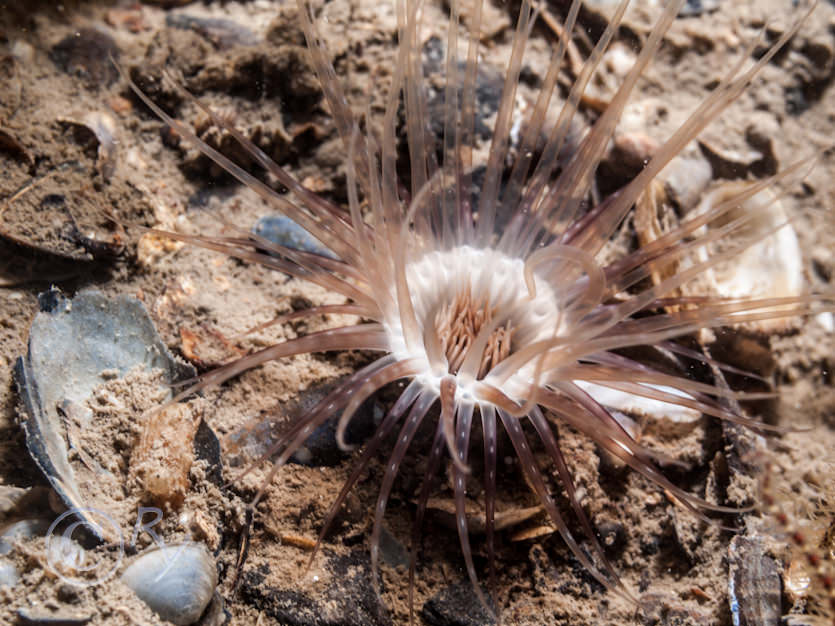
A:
(103, 128)
(176, 581)
(163, 457)
(43, 616)
(443, 510)
(73, 344)
(771, 267)
(753, 582)
(9, 143)
(533, 533)
(19, 531)
(632, 404)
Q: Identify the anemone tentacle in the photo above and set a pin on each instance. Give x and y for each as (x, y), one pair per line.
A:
(518, 324)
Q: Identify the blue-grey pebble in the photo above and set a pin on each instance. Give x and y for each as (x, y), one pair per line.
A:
(176, 581)
(283, 231)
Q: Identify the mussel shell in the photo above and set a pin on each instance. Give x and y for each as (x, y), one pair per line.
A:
(70, 343)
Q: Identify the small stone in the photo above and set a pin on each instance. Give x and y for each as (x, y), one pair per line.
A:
(283, 231)
(68, 594)
(87, 53)
(456, 605)
(697, 7)
(221, 32)
(392, 551)
(348, 600)
(176, 581)
(686, 178)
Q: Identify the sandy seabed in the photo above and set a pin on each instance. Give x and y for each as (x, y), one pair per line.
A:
(246, 60)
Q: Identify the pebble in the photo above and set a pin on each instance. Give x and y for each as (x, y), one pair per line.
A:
(348, 599)
(283, 231)
(392, 550)
(697, 7)
(177, 582)
(456, 605)
(86, 53)
(321, 448)
(222, 33)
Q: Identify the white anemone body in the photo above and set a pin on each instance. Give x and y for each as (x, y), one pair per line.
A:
(437, 278)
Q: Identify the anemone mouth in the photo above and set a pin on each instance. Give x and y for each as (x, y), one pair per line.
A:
(459, 324)
(474, 307)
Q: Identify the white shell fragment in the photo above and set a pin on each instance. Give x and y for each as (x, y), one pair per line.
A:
(19, 531)
(103, 127)
(770, 268)
(636, 405)
(176, 582)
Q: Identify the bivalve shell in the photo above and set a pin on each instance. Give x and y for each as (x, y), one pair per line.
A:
(72, 344)
(772, 267)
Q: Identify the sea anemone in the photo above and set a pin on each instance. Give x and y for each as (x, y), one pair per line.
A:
(492, 299)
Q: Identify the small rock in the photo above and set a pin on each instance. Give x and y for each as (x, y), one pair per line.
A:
(176, 581)
(697, 7)
(23, 51)
(488, 90)
(222, 33)
(283, 231)
(393, 552)
(68, 594)
(686, 178)
(86, 53)
(42, 617)
(349, 600)
(456, 605)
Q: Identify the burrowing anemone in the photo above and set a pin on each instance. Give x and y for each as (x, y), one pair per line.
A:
(498, 324)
